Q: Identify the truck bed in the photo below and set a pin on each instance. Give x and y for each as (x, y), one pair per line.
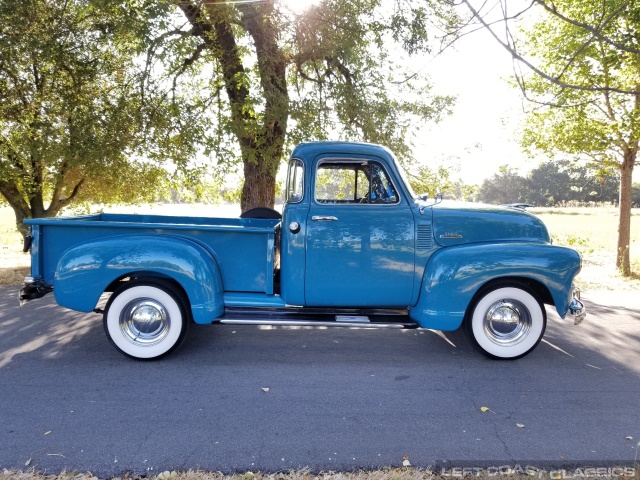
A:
(244, 248)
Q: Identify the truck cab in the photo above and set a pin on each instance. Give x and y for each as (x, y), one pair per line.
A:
(349, 229)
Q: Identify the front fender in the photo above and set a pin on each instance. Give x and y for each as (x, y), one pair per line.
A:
(454, 275)
(85, 271)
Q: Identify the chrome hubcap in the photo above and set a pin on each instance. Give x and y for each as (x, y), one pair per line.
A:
(144, 322)
(507, 322)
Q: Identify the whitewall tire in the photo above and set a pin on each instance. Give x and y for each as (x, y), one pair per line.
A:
(146, 320)
(506, 321)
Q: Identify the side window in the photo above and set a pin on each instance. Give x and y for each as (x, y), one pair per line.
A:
(363, 184)
(353, 182)
(295, 181)
(382, 190)
(337, 183)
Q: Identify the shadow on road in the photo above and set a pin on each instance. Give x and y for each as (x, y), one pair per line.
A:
(43, 328)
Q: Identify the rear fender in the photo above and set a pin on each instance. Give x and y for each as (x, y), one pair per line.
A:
(454, 275)
(84, 272)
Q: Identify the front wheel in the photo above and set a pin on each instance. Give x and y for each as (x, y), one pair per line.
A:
(146, 320)
(506, 322)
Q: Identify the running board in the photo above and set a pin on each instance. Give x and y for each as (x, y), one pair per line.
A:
(317, 323)
(318, 317)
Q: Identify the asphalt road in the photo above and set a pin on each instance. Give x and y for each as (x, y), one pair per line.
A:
(338, 398)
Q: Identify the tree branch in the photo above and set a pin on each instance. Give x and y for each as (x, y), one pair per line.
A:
(74, 193)
(152, 49)
(300, 72)
(187, 63)
(59, 186)
(12, 194)
(594, 31)
(344, 71)
(216, 32)
(541, 73)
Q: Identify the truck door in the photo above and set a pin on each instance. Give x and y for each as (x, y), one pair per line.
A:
(360, 238)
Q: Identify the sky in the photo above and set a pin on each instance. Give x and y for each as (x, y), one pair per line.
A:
(482, 133)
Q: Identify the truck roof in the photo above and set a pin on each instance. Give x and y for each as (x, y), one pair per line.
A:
(309, 150)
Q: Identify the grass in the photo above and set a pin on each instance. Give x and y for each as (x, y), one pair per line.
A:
(385, 474)
(404, 473)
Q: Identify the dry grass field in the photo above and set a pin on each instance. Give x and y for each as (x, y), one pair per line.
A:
(594, 233)
(591, 231)
(13, 262)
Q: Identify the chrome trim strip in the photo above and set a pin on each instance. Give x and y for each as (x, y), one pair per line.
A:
(311, 323)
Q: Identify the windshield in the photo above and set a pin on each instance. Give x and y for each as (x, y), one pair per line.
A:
(405, 178)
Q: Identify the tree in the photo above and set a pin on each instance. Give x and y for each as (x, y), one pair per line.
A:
(557, 182)
(550, 184)
(584, 59)
(505, 187)
(431, 182)
(75, 124)
(328, 72)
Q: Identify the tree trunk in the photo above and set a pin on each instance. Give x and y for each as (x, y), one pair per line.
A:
(23, 211)
(261, 137)
(624, 226)
(21, 208)
(33, 206)
(21, 216)
(259, 187)
(260, 174)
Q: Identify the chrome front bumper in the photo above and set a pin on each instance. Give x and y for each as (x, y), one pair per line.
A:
(576, 307)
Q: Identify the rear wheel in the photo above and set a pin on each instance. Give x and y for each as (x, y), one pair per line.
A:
(146, 320)
(505, 321)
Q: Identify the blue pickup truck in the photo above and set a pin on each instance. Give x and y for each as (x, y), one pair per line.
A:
(354, 246)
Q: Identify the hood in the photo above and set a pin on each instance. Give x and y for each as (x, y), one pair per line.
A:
(456, 223)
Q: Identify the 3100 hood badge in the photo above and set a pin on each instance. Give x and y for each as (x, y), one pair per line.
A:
(451, 235)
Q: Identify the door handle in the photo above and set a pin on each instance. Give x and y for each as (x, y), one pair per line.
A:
(320, 218)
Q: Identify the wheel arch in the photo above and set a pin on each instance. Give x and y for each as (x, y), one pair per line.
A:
(86, 271)
(154, 277)
(539, 288)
